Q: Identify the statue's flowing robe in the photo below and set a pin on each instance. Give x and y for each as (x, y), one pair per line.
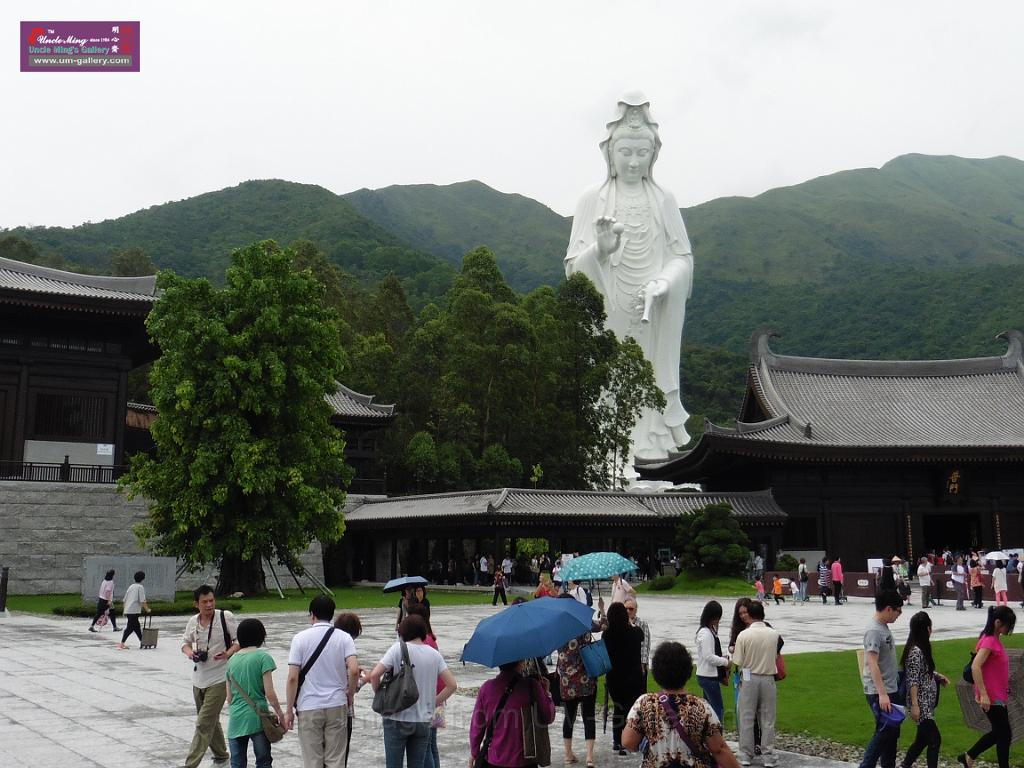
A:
(668, 258)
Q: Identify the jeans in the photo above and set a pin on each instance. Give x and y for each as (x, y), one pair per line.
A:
(882, 746)
(961, 593)
(928, 736)
(432, 758)
(803, 591)
(713, 695)
(999, 736)
(499, 591)
(405, 743)
(260, 748)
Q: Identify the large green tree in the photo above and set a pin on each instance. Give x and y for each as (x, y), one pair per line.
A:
(712, 539)
(247, 463)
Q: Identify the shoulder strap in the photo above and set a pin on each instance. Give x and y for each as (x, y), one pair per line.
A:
(673, 719)
(312, 660)
(238, 689)
(489, 734)
(227, 636)
(405, 655)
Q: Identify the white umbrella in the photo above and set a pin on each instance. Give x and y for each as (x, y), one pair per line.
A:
(997, 555)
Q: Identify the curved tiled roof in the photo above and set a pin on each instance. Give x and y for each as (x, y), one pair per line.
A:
(911, 409)
(349, 403)
(510, 503)
(976, 402)
(32, 278)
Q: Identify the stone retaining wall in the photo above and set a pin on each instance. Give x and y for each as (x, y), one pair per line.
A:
(48, 529)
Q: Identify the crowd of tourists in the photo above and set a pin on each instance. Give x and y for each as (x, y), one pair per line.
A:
(671, 727)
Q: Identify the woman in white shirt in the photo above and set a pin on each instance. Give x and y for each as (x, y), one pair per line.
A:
(999, 582)
(712, 665)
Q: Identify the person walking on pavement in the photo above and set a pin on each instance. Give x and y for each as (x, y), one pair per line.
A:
(924, 578)
(959, 577)
(824, 580)
(208, 642)
(323, 673)
(802, 580)
(132, 607)
(880, 678)
(105, 602)
(837, 580)
(499, 588)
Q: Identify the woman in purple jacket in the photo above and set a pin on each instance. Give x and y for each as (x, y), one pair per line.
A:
(505, 743)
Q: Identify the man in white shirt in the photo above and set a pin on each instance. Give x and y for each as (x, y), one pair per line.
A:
(756, 650)
(577, 592)
(506, 568)
(924, 578)
(484, 581)
(208, 642)
(322, 698)
(960, 582)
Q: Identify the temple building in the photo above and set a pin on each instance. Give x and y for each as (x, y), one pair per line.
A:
(869, 458)
(67, 343)
(386, 537)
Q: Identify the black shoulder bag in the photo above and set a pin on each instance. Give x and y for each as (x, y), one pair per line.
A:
(312, 660)
(481, 756)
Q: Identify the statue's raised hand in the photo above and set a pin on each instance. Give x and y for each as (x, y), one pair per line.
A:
(609, 235)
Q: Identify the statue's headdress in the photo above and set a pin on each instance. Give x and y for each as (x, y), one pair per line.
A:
(633, 120)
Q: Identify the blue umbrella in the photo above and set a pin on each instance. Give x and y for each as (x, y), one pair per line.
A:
(596, 565)
(404, 581)
(527, 630)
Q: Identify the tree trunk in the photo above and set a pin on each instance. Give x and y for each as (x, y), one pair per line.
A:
(238, 575)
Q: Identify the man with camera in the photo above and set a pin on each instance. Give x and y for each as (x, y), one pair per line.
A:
(209, 641)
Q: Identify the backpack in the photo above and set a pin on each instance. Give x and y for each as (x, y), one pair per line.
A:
(590, 597)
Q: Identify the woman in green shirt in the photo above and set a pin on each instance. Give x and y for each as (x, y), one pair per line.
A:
(250, 669)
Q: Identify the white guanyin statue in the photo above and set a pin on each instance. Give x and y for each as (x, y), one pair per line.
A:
(628, 237)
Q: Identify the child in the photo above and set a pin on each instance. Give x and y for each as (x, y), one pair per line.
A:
(777, 589)
(794, 589)
(759, 587)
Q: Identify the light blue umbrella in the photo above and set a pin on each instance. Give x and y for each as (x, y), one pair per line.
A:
(596, 565)
(404, 581)
(527, 630)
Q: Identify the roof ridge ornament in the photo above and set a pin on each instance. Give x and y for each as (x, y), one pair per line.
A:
(1014, 355)
(759, 343)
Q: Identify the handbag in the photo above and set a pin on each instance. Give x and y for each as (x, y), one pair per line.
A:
(968, 673)
(595, 659)
(555, 686)
(536, 740)
(272, 727)
(397, 691)
(673, 720)
(780, 667)
(723, 672)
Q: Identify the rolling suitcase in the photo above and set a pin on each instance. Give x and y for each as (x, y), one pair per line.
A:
(149, 634)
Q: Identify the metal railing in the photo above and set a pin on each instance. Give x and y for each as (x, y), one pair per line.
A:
(60, 473)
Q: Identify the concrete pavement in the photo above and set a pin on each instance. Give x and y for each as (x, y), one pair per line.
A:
(69, 698)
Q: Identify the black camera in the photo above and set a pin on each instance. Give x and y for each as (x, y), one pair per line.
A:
(198, 656)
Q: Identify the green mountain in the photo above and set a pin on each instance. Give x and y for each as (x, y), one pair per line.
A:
(527, 238)
(919, 258)
(195, 236)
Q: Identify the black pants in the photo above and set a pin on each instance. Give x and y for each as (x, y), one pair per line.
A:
(619, 713)
(589, 721)
(838, 587)
(133, 627)
(977, 597)
(778, 598)
(101, 607)
(928, 736)
(999, 737)
(499, 591)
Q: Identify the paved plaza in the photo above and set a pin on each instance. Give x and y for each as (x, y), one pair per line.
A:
(71, 699)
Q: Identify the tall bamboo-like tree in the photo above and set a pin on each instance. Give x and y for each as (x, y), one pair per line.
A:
(247, 464)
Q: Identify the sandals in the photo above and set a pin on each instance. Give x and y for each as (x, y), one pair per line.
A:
(571, 759)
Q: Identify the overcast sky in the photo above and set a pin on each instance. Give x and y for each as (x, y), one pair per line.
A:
(515, 93)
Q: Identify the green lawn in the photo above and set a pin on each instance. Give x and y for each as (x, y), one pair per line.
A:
(822, 697)
(346, 597)
(700, 583)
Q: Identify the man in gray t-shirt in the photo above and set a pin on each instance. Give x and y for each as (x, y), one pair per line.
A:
(880, 678)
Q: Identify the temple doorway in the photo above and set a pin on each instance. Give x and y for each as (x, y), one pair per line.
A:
(958, 532)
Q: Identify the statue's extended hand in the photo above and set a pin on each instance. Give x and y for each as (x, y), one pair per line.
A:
(656, 288)
(609, 234)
